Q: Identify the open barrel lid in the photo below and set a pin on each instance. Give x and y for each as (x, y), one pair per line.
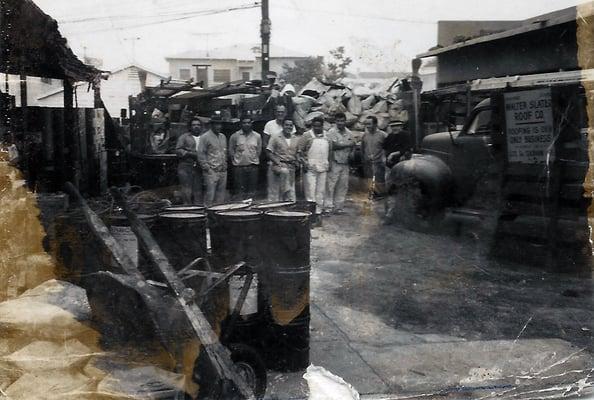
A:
(181, 215)
(228, 207)
(239, 214)
(272, 205)
(185, 207)
(283, 214)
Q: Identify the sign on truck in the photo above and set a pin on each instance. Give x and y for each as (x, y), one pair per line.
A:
(529, 126)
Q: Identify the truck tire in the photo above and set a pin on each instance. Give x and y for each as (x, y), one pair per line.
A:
(411, 207)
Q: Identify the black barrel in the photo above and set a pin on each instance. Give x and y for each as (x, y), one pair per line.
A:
(182, 236)
(212, 210)
(306, 206)
(236, 237)
(286, 246)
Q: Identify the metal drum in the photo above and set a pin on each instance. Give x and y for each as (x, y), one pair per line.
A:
(286, 246)
(182, 236)
(235, 238)
(274, 206)
(306, 206)
(212, 210)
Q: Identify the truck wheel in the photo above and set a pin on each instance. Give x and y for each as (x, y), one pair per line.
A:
(411, 207)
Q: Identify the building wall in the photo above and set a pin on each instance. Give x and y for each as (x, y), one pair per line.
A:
(235, 67)
(544, 50)
(447, 31)
(114, 92)
(276, 64)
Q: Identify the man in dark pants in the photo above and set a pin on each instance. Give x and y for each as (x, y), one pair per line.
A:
(245, 147)
(188, 169)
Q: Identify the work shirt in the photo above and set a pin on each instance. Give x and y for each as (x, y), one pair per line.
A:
(245, 149)
(372, 146)
(342, 138)
(285, 149)
(316, 150)
(186, 148)
(212, 152)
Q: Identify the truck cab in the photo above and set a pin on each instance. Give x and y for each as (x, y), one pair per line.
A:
(469, 167)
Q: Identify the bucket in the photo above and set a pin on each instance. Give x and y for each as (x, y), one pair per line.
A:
(286, 243)
(181, 235)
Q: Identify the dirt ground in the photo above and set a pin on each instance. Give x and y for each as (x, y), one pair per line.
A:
(433, 313)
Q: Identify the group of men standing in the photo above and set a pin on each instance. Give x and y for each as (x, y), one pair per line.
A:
(318, 160)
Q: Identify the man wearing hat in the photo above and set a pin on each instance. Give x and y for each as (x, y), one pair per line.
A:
(212, 156)
(188, 169)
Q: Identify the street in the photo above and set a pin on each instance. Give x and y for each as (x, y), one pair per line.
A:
(405, 313)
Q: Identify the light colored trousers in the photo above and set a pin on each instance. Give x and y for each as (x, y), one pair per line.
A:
(281, 185)
(216, 185)
(315, 188)
(338, 185)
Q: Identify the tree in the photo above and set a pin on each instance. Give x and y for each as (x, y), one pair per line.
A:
(303, 71)
(337, 68)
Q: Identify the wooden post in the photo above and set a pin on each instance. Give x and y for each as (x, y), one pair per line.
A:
(265, 35)
(218, 355)
(71, 164)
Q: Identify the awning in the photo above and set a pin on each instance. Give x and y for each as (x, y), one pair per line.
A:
(31, 44)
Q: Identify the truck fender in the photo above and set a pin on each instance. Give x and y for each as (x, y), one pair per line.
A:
(431, 172)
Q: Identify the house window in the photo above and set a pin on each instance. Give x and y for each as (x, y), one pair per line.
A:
(222, 75)
(184, 74)
(245, 75)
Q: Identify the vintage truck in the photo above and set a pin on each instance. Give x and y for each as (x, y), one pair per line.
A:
(522, 154)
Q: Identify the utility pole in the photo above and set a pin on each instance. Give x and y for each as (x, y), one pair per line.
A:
(265, 35)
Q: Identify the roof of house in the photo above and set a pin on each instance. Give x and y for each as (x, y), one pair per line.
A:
(140, 67)
(115, 71)
(529, 25)
(246, 52)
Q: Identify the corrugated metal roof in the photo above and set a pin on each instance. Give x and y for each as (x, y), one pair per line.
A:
(532, 24)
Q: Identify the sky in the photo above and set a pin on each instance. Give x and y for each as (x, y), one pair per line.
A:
(380, 35)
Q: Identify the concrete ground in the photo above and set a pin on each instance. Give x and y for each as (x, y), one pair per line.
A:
(401, 314)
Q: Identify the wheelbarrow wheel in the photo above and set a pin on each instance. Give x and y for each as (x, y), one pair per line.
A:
(250, 366)
(247, 363)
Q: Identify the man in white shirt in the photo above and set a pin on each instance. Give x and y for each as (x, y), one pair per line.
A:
(274, 127)
(282, 152)
(315, 150)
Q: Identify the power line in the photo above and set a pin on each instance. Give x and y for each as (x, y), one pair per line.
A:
(160, 15)
(167, 20)
(380, 17)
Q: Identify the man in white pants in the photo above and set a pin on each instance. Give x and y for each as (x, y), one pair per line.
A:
(272, 128)
(342, 142)
(314, 151)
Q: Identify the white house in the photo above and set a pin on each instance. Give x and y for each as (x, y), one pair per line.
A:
(226, 64)
(126, 81)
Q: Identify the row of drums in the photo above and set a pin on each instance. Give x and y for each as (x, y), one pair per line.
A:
(274, 239)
